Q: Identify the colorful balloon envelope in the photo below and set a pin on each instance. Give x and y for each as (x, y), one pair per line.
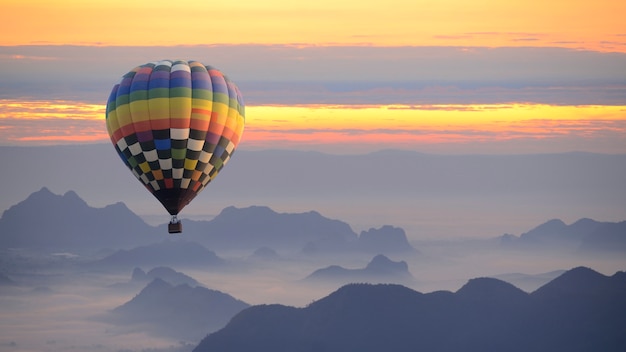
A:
(175, 124)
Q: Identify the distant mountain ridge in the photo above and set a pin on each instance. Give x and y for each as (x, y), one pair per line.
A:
(59, 222)
(46, 221)
(166, 253)
(164, 273)
(259, 226)
(66, 222)
(307, 180)
(484, 315)
(179, 311)
(379, 270)
(583, 235)
(387, 239)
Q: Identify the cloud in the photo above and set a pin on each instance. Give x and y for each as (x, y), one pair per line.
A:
(51, 131)
(23, 57)
(50, 109)
(292, 74)
(57, 83)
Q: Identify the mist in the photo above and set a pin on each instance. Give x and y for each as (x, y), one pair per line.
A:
(459, 217)
(59, 301)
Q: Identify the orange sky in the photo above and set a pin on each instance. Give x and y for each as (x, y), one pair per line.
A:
(594, 25)
(589, 25)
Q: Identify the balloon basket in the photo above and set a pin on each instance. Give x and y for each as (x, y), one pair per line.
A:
(175, 226)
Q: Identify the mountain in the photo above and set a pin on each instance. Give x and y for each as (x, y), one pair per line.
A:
(259, 226)
(179, 311)
(589, 306)
(583, 235)
(379, 270)
(490, 289)
(486, 314)
(397, 187)
(581, 282)
(165, 253)
(529, 282)
(609, 237)
(65, 222)
(47, 221)
(555, 231)
(164, 273)
(387, 239)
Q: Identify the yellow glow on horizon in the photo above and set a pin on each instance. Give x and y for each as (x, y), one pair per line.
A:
(369, 117)
(380, 126)
(589, 25)
(397, 126)
(52, 109)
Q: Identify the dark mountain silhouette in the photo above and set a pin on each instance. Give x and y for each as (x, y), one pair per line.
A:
(490, 289)
(484, 315)
(48, 221)
(581, 282)
(379, 270)
(164, 273)
(387, 240)
(165, 253)
(179, 311)
(589, 306)
(583, 235)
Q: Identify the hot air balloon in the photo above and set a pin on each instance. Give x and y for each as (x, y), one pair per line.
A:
(175, 124)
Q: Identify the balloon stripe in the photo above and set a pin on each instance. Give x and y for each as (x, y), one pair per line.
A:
(175, 124)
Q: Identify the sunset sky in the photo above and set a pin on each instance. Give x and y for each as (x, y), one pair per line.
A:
(335, 76)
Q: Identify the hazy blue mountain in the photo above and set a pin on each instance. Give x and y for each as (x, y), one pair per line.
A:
(379, 270)
(387, 239)
(583, 235)
(609, 237)
(65, 222)
(46, 221)
(180, 311)
(259, 226)
(165, 253)
(486, 314)
(334, 184)
(555, 231)
(164, 273)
